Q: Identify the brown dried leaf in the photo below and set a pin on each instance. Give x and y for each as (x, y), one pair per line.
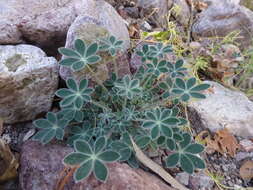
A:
(224, 142)
(8, 163)
(246, 170)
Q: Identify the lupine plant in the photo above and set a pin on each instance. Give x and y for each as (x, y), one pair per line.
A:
(100, 120)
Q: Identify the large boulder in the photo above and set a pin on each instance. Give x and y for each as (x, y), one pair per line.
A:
(223, 17)
(155, 10)
(28, 80)
(41, 166)
(44, 23)
(224, 108)
(99, 19)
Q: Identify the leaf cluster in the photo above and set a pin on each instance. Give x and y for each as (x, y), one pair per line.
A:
(99, 121)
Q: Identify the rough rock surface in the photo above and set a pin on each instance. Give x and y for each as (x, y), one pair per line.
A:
(28, 80)
(200, 181)
(159, 6)
(41, 167)
(184, 15)
(223, 17)
(225, 108)
(99, 20)
(44, 23)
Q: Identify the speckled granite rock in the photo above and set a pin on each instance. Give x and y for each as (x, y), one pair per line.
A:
(98, 20)
(225, 108)
(28, 80)
(41, 166)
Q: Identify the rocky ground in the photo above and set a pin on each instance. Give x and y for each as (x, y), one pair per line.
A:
(30, 33)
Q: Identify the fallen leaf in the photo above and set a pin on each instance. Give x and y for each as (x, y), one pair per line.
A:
(224, 142)
(246, 170)
(8, 163)
(156, 168)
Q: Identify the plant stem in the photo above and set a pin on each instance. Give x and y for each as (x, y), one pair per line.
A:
(100, 105)
(116, 69)
(97, 79)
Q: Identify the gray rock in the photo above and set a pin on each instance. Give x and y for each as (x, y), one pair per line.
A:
(28, 81)
(223, 17)
(41, 167)
(225, 108)
(184, 15)
(183, 178)
(243, 155)
(44, 23)
(98, 20)
(200, 181)
(159, 6)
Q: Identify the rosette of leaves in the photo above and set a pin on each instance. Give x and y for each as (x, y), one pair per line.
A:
(128, 87)
(160, 121)
(133, 106)
(50, 127)
(76, 94)
(144, 53)
(84, 132)
(81, 56)
(185, 154)
(189, 88)
(111, 44)
(177, 69)
(159, 50)
(157, 67)
(91, 159)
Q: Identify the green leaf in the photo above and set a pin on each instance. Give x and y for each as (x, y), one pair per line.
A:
(80, 47)
(180, 83)
(71, 83)
(100, 144)
(92, 49)
(68, 61)
(75, 158)
(194, 148)
(200, 87)
(68, 52)
(155, 132)
(190, 83)
(83, 147)
(172, 160)
(186, 141)
(166, 131)
(42, 124)
(197, 162)
(171, 144)
(186, 164)
(197, 95)
(109, 156)
(143, 141)
(100, 171)
(84, 171)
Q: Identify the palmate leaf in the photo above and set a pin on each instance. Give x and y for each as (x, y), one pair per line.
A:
(160, 121)
(189, 88)
(157, 67)
(185, 155)
(128, 87)
(80, 56)
(111, 44)
(144, 53)
(159, 50)
(91, 159)
(177, 69)
(51, 127)
(76, 94)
